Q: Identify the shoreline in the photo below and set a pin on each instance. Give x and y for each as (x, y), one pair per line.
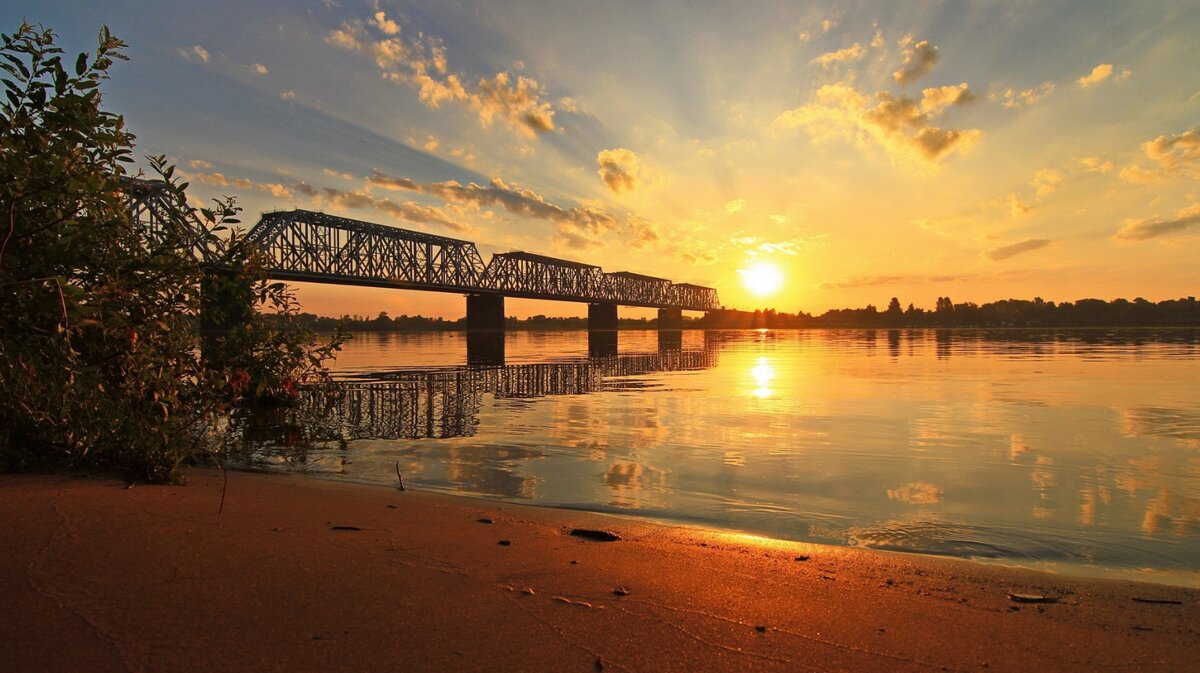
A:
(300, 573)
(1186, 579)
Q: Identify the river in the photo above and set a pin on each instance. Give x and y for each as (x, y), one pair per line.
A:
(1075, 451)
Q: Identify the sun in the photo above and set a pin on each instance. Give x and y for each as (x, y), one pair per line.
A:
(762, 279)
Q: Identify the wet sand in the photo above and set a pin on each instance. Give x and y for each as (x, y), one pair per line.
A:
(298, 574)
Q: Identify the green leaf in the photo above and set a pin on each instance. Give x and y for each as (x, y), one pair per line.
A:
(81, 65)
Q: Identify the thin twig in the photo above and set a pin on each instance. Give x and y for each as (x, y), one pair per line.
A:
(398, 474)
(224, 485)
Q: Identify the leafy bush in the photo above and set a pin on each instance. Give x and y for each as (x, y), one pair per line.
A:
(99, 358)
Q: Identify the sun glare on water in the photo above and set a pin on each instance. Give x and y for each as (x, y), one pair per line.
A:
(762, 279)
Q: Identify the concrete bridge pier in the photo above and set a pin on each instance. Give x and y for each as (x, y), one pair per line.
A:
(485, 313)
(602, 317)
(485, 349)
(669, 341)
(670, 319)
(602, 344)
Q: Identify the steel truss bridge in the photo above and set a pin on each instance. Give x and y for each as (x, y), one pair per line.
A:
(307, 246)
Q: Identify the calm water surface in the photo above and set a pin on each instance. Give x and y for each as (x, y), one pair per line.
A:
(1076, 451)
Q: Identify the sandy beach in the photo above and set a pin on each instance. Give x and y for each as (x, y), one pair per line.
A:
(297, 574)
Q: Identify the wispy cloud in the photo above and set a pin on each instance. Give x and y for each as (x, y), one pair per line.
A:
(1008, 251)
(1095, 164)
(619, 168)
(1046, 180)
(422, 63)
(697, 252)
(217, 179)
(362, 199)
(582, 226)
(855, 52)
(1014, 99)
(1017, 207)
(919, 59)
(868, 281)
(902, 125)
(194, 52)
(1096, 76)
(1173, 156)
(755, 246)
(1101, 73)
(1141, 230)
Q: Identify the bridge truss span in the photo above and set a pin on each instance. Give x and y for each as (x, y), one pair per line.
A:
(308, 246)
(523, 274)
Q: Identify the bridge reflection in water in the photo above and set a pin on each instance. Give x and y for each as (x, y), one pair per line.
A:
(445, 402)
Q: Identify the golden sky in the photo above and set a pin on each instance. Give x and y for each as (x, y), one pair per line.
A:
(978, 150)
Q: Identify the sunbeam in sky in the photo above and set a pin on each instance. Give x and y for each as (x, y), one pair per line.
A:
(980, 150)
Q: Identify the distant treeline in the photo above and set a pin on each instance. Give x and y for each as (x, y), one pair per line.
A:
(416, 323)
(1005, 313)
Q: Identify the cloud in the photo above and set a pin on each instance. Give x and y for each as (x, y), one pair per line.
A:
(194, 52)
(1095, 164)
(200, 164)
(259, 68)
(696, 252)
(735, 205)
(619, 169)
(221, 180)
(919, 58)
(866, 281)
(1017, 99)
(574, 224)
(916, 493)
(1017, 207)
(1174, 156)
(826, 26)
(854, 52)
(518, 101)
(361, 199)
(756, 246)
(1096, 76)
(385, 25)
(1046, 180)
(1007, 251)
(642, 232)
(936, 99)
(335, 174)
(288, 95)
(902, 125)
(1141, 230)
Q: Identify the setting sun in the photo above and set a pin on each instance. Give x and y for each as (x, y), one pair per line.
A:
(762, 279)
